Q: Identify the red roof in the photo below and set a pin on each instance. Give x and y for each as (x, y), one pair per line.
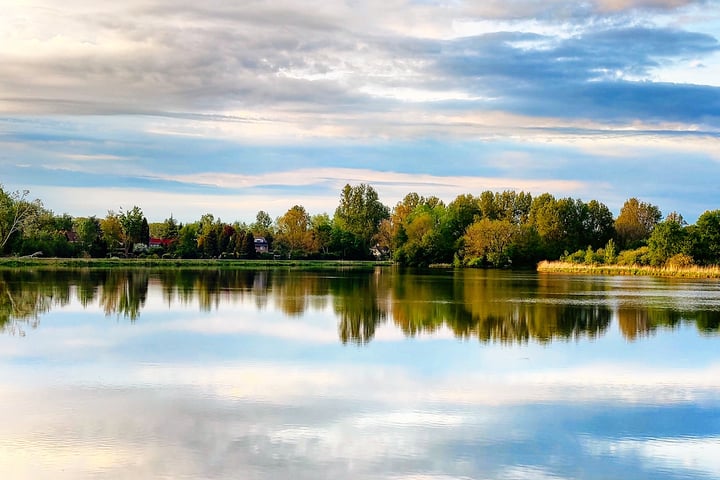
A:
(161, 242)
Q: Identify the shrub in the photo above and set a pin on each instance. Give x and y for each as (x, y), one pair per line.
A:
(638, 256)
(680, 260)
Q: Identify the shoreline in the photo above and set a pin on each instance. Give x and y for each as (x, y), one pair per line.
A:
(52, 262)
(629, 270)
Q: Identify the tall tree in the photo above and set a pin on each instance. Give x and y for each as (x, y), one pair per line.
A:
(321, 233)
(599, 224)
(263, 223)
(490, 241)
(635, 222)
(460, 214)
(145, 232)
(15, 210)
(360, 212)
(666, 240)
(112, 231)
(293, 230)
(706, 248)
(89, 235)
(132, 227)
(545, 219)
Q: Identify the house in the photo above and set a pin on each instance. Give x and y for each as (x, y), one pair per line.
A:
(261, 245)
(71, 236)
(160, 242)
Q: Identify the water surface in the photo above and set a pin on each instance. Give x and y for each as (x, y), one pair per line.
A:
(357, 374)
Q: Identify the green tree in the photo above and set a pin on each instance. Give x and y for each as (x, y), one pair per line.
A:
(706, 238)
(132, 227)
(610, 252)
(572, 217)
(667, 239)
(263, 223)
(360, 213)
(15, 211)
(263, 227)
(599, 225)
(460, 214)
(512, 206)
(321, 233)
(145, 232)
(187, 242)
(248, 248)
(89, 235)
(424, 241)
(488, 207)
(545, 219)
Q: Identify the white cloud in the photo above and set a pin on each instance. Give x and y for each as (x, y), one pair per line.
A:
(694, 455)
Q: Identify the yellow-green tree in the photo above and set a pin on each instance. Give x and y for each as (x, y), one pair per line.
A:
(489, 241)
(635, 222)
(293, 230)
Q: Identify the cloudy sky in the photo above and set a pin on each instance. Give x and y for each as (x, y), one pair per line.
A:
(225, 107)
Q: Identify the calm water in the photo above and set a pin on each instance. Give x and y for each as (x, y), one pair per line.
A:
(355, 375)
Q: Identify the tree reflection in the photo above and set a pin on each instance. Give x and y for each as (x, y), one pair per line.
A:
(26, 294)
(124, 292)
(356, 302)
(638, 322)
(492, 307)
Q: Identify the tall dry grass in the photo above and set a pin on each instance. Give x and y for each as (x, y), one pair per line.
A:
(694, 271)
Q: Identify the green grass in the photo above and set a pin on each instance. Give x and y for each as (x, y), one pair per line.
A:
(24, 262)
(644, 270)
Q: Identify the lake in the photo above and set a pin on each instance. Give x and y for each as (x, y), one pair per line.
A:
(357, 374)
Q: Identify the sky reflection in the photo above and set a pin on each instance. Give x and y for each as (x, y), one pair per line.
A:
(248, 391)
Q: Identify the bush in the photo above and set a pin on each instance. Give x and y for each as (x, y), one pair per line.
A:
(577, 257)
(680, 260)
(638, 256)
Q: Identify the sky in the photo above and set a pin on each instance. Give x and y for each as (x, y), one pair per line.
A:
(185, 108)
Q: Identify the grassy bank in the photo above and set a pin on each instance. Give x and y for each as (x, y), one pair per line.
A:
(25, 262)
(680, 272)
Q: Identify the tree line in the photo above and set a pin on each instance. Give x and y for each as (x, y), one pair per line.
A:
(493, 229)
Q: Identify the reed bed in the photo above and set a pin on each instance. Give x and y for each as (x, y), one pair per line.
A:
(694, 271)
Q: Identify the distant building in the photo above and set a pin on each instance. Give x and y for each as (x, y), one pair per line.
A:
(71, 237)
(261, 245)
(160, 242)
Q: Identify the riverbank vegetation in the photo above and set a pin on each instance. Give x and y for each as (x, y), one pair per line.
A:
(197, 264)
(668, 270)
(493, 229)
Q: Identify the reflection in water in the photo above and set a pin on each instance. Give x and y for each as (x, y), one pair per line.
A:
(497, 307)
(238, 374)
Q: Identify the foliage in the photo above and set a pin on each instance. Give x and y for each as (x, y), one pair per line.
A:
(360, 213)
(610, 252)
(494, 229)
(680, 260)
(638, 256)
(706, 249)
(15, 210)
(293, 231)
(488, 241)
(636, 222)
(133, 225)
(666, 240)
